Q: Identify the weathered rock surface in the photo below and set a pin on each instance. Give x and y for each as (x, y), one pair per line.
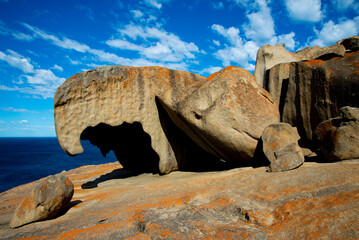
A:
(142, 114)
(351, 44)
(115, 108)
(287, 158)
(280, 147)
(269, 56)
(47, 199)
(311, 92)
(315, 201)
(339, 137)
(225, 115)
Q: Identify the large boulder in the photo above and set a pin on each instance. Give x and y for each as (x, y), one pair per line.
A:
(150, 116)
(280, 147)
(269, 56)
(47, 199)
(115, 108)
(311, 92)
(339, 137)
(225, 115)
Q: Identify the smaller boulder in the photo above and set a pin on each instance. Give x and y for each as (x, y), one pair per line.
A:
(349, 113)
(287, 158)
(48, 198)
(280, 147)
(339, 137)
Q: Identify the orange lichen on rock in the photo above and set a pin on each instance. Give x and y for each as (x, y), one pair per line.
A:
(313, 201)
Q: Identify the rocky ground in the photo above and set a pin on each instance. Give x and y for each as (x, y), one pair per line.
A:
(315, 201)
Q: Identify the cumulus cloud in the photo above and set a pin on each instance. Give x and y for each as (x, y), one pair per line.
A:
(238, 52)
(231, 34)
(287, 39)
(331, 32)
(304, 10)
(41, 82)
(242, 47)
(261, 24)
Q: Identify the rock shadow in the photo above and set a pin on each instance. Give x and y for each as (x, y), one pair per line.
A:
(71, 205)
(189, 155)
(129, 142)
(115, 174)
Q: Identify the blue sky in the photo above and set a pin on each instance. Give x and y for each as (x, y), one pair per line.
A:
(42, 43)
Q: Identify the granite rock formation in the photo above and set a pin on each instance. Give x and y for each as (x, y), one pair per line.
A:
(160, 112)
(269, 56)
(46, 200)
(339, 137)
(313, 91)
(225, 115)
(117, 102)
(315, 201)
(280, 147)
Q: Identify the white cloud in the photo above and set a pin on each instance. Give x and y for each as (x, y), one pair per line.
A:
(155, 3)
(331, 32)
(217, 43)
(22, 36)
(44, 76)
(17, 110)
(238, 52)
(23, 121)
(287, 39)
(342, 5)
(210, 70)
(57, 67)
(261, 25)
(231, 34)
(16, 60)
(64, 43)
(155, 44)
(258, 31)
(124, 44)
(137, 13)
(304, 10)
(157, 48)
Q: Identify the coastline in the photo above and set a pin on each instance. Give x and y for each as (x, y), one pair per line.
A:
(27, 159)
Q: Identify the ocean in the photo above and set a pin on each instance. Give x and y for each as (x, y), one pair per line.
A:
(24, 160)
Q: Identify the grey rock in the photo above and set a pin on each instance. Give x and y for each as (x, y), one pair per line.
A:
(311, 92)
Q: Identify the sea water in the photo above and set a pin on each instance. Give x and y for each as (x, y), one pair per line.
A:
(24, 160)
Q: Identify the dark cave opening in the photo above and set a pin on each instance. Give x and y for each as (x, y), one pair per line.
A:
(129, 142)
